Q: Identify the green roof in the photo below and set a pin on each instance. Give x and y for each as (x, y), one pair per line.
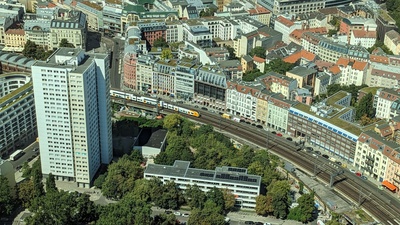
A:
(331, 101)
(15, 93)
(142, 2)
(134, 8)
(370, 90)
(335, 120)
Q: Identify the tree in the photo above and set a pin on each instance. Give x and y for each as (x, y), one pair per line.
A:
(264, 205)
(195, 197)
(231, 51)
(121, 177)
(210, 215)
(229, 199)
(208, 12)
(160, 42)
(215, 195)
(301, 187)
(258, 51)
(38, 190)
(127, 211)
(177, 149)
(171, 198)
(165, 219)
(51, 183)
(65, 43)
(143, 190)
(100, 180)
(380, 44)
(279, 66)
(365, 107)
(280, 198)
(304, 211)
(6, 198)
(26, 192)
(172, 122)
(252, 75)
(332, 32)
(30, 49)
(166, 54)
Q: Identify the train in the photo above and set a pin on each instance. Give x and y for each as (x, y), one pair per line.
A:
(153, 101)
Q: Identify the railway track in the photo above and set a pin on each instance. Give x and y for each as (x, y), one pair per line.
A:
(381, 210)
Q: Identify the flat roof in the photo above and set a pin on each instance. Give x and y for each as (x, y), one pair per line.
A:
(336, 97)
(302, 71)
(156, 139)
(220, 174)
(16, 92)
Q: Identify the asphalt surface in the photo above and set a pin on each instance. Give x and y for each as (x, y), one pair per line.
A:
(115, 72)
(29, 153)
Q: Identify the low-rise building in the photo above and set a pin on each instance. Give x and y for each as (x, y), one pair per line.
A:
(278, 112)
(278, 83)
(292, 7)
(150, 144)
(381, 75)
(286, 27)
(304, 76)
(94, 14)
(353, 71)
(385, 98)
(185, 73)
(14, 40)
(245, 187)
(392, 41)
(325, 78)
(17, 112)
(12, 62)
(260, 14)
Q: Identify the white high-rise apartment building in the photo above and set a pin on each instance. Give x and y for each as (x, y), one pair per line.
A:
(73, 112)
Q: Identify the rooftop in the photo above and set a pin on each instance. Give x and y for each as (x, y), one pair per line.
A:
(302, 71)
(220, 174)
(156, 139)
(335, 120)
(15, 93)
(336, 97)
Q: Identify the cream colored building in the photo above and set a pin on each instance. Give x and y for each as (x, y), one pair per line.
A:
(262, 107)
(70, 25)
(93, 12)
(392, 41)
(144, 74)
(278, 83)
(14, 40)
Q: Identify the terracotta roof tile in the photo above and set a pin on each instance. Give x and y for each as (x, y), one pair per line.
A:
(258, 59)
(364, 34)
(298, 33)
(16, 32)
(293, 58)
(335, 69)
(355, 64)
(323, 64)
(359, 65)
(284, 21)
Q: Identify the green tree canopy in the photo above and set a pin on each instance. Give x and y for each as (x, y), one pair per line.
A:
(166, 54)
(165, 219)
(51, 183)
(279, 66)
(229, 199)
(171, 197)
(304, 211)
(231, 51)
(280, 198)
(6, 198)
(264, 205)
(251, 75)
(26, 192)
(160, 42)
(64, 43)
(365, 107)
(258, 51)
(209, 215)
(33, 51)
(217, 196)
(121, 177)
(207, 12)
(195, 197)
(352, 89)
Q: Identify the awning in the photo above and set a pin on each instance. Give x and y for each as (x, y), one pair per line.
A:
(389, 185)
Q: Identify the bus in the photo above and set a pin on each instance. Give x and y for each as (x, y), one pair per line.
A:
(16, 155)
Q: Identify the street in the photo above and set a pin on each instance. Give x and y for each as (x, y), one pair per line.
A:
(116, 59)
(28, 154)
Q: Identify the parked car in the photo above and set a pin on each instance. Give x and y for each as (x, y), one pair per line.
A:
(196, 106)
(358, 174)
(204, 108)
(353, 171)
(249, 222)
(185, 215)
(325, 156)
(258, 223)
(18, 167)
(309, 149)
(317, 152)
(289, 139)
(167, 211)
(177, 213)
(279, 135)
(273, 132)
(259, 126)
(364, 178)
(339, 163)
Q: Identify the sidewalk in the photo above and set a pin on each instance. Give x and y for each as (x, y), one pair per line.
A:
(242, 216)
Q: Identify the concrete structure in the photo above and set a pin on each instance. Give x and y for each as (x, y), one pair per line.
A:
(244, 186)
(174, 31)
(197, 33)
(381, 75)
(38, 31)
(94, 14)
(292, 7)
(286, 27)
(17, 112)
(12, 62)
(278, 112)
(305, 76)
(353, 71)
(384, 100)
(75, 132)
(69, 25)
(112, 19)
(210, 87)
(185, 73)
(325, 78)
(14, 40)
(264, 37)
(151, 31)
(349, 25)
(260, 14)
(150, 143)
(278, 83)
(392, 41)
(328, 125)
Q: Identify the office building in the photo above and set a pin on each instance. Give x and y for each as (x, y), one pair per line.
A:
(73, 104)
(245, 187)
(17, 112)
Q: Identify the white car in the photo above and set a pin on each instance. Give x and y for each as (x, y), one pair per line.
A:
(185, 215)
(177, 213)
(353, 171)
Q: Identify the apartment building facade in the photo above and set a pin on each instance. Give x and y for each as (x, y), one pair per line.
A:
(278, 83)
(278, 112)
(392, 41)
(381, 75)
(75, 133)
(14, 40)
(241, 100)
(210, 87)
(244, 186)
(353, 71)
(163, 81)
(94, 14)
(385, 98)
(17, 112)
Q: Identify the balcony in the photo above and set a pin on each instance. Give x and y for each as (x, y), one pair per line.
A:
(370, 157)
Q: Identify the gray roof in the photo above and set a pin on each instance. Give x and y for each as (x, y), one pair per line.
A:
(156, 139)
(212, 77)
(376, 136)
(43, 25)
(302, 71)
(225, 174)
(16, 59)
(75, 20)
